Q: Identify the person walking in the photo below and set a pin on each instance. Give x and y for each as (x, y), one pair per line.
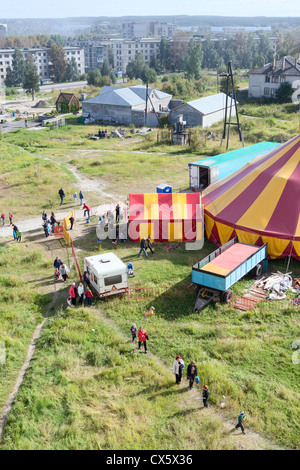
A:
(57, 263)
(87, 210)
(143, 248)
(89, 296)
(117, 213)
(53, 221)
(149, 245)
(80, 293)
(73, 294)
(205, 395)
(46, 229)
(71, 219)
(75, 197)
(241, 419)
(62, 195)
(177, 368)
(81, 197)
(191, 373)
(133, 330)
(10, 218)
(44, 216)
(3, 218)
(64, 272)
(142, 335)
(85, 279)
(15, 231)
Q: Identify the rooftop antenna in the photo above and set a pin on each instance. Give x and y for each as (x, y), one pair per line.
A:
(227, 122)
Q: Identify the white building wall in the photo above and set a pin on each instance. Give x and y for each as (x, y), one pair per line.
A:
(259, 87)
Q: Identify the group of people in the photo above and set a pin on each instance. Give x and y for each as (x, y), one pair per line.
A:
(102, 134)
(49, 223)
(62, 195)
(81, 293)
(16, 232)
(145, 244)
(141, 334)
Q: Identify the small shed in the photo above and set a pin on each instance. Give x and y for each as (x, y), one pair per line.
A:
(67, 103)
(203, 112)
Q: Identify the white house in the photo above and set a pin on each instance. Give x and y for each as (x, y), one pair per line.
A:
(203, 112)
(265, 80)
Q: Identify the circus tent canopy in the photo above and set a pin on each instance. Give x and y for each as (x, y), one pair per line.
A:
(259, 203)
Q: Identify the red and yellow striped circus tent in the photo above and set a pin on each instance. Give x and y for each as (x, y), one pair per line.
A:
(166, 216)
(259, 203)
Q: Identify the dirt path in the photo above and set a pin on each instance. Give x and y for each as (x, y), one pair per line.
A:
(234, 438)
(31, 350)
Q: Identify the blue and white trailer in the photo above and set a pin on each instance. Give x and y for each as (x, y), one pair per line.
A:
(215, 274)
(207, 171)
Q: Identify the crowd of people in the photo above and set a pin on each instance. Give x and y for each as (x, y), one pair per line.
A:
(17, 235)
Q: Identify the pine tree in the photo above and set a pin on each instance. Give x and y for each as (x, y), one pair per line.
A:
(15, 76)
(31, 78)
(58, 64)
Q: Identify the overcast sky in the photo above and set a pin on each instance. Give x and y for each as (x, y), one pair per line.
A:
(72, 8)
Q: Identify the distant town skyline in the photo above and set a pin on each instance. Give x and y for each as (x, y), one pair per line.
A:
(76, 8)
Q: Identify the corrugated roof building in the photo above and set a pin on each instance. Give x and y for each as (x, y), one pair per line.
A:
(126, 105)
(203, 112)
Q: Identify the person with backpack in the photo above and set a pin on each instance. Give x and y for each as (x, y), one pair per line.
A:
(205, 395)
(62, 195)
(133, 330)
(241, 419)
(142, 335)
(192, 373)
(178, 366)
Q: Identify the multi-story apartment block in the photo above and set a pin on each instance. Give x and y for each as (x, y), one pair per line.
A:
(140, 30)
(124, 50)
(95, 52)
(41, 58)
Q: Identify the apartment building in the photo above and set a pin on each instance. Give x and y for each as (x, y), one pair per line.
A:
(133, 30)
(41, 58)
(124, 50)
(95, 52)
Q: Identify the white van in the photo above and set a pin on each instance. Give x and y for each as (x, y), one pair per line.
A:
(107, 274)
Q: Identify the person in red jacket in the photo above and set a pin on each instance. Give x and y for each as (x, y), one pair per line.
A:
(89, 296)
(142, 335)
(73, 293)
(87, 210)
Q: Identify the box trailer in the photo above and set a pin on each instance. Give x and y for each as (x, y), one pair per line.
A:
(207, 171)
(107, 274)
(215, 274)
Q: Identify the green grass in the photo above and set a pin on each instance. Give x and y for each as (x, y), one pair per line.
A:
(97, 388)
(23, 302)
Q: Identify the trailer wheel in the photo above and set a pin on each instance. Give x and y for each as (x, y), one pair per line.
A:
(226, 296)
(258, 270)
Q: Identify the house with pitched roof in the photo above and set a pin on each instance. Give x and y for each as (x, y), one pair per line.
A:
(264, 81)
(203, 112)
(127, 105)
(67, 102)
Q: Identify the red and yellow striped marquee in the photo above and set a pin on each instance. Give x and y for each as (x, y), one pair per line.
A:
(165, 216)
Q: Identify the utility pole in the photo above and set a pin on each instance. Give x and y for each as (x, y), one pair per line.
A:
(146, 110)
(228, 123)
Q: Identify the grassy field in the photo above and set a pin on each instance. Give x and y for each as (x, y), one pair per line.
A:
(97, 389)
(98, 392)
(23, 302)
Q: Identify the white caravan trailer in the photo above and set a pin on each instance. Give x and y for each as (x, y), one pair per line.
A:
(107, 274)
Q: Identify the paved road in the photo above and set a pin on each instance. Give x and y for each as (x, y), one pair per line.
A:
(13, 126)
(62, 86)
